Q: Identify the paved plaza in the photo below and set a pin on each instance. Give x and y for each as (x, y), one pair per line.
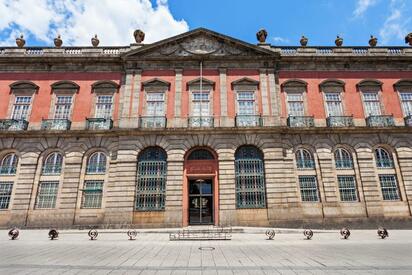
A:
(246, 253)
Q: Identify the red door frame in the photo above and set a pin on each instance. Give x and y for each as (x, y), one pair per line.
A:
(200, 169)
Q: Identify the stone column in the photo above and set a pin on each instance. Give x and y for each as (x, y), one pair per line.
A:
(275, 104)
(264, 94)
(125, 120)
(178, 121)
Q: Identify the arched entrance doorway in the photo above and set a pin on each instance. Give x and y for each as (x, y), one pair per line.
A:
(200, 187)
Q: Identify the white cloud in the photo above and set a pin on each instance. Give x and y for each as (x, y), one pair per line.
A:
(78, 20)
(278, 39)
(362, 6)
(395, 25)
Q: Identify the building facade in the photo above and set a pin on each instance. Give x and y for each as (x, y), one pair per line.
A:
(202, 128)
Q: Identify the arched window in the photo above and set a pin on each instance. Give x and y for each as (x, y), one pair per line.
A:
(304, 159)
(250, 178)
(53, 164)
(383, 158)
(8, 164)
(151, 182)
(343, 159)
(96, 163)
(200, 154)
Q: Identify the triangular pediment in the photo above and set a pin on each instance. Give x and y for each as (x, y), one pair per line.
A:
(197, 43)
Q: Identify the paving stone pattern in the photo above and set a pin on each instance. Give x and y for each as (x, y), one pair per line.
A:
(246, 253)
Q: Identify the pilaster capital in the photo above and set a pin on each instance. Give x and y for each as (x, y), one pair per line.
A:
(222, 70)
(178, 70)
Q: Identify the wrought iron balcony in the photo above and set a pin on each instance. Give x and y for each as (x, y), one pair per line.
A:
(380, 121)
(408, 120)
(51, 169)
(301, 121)
(56, 124)
(8, 170)
(99, 123)
(13, 124)
(201, 121)
(248, 121)
(152, 122)
(305, 163)
(339, 121)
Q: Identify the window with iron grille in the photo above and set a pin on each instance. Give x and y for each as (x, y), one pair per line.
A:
(63, 107)
(383, 158)
(406, 99)
(347, 188)
(304, 159)
(334, 104)
(372, 104)
(151, 181)
(8, 165)
(104, 106)
(92, 194)
(155, 104)
(389, 187)
(200, 101)
(200, 154)
(21, 108)
(246, 103)
(53, 164)
(47, 194)
(5, 194)
(343, 159)
(96, 163)
(250, 178)
(295, 104)
(308, 188)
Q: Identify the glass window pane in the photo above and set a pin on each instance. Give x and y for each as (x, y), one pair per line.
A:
(347, 188)
(295, 104)
(333, 104)
(21, 108)
(5, 194)
(372, 104)
(63, 107)
(104, 107)
(406, 99)
(389, 187)
(308, 188)
(92, 194)
(47, 194)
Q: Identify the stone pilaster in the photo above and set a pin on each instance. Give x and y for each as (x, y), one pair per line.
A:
(274, 90)
(125, 120)
(225, 121)
(264, 94)
(178, 121)
(135, 94)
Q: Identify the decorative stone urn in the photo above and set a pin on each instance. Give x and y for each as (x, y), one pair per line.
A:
(373, 41)
(95, 41)
(58, 42)
(408, 39)
(20, 42)
(338, 41)
(261, 35)
(138, 36)
(304, 41)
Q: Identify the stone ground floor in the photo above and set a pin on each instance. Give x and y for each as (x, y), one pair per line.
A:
(246, 253)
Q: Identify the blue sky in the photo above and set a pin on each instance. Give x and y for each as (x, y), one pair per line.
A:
(114, 21)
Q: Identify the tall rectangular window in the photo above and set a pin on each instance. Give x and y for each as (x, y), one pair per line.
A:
(21, 108)
(104, 106)
(334, 104)
(5, 194)
(246, 103)
(308, 188)
(389, 187)
(47, 194)
(406, 99)
(63, 107)
(295, 104)
(155, 104)
(92, 194)
(372, 104)
(347, 188)
(200, 102)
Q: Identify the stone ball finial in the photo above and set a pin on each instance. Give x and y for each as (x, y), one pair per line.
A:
(95, 41)
(138, 36)
(261, 35)
(373, 41)
(338, 41)
(303, 41)
(58, 42)
(408, 39)
(20, 42)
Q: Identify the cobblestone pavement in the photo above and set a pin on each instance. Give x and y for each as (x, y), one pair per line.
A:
(246, 253)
